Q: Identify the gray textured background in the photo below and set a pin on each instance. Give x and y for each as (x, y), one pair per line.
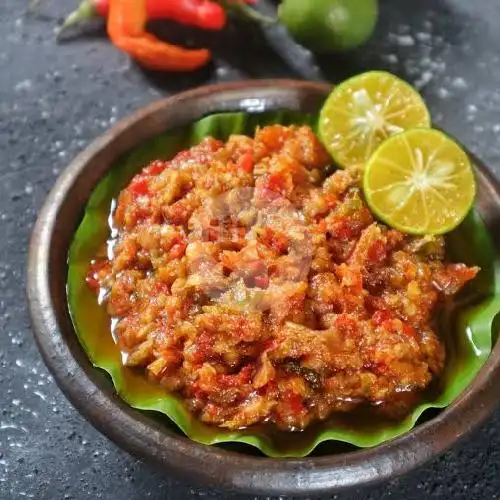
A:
(55, 99)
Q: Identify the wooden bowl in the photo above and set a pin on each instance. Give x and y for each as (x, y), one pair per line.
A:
(91, 391)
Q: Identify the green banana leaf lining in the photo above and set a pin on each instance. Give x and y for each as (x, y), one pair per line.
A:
(468, 329)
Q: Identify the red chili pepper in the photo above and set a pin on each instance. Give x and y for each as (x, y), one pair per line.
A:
(127, 30)
(205, 14)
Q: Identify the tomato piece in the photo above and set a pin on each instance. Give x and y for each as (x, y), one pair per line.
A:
(139, 185)
(377, 252)
(210, 234)
(162, 287)
(237, 379)
(270, 344)
(178, 213)
(341, 228)
(330, 199)
(93, 283)
(409, 331)
(276, 241)
(177, 251)
(346, 325)
(381, 317)
(156, 167)
(294, 401)
(321, 226)
(246, 162)
(171, 356)
(92, 278)
(204, 347)
(276, 183)
(256, 267)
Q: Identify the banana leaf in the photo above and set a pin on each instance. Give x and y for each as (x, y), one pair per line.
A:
(466, 328)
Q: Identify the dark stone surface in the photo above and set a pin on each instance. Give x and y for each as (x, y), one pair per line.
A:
(55, 99)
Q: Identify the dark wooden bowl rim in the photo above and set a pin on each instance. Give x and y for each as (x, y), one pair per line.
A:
(91, 391)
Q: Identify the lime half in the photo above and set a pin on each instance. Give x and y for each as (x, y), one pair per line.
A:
(364, 111)
(420, 182)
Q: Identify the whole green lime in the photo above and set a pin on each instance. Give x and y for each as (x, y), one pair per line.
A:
(329, 25)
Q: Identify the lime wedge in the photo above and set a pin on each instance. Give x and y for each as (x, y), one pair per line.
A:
(364, 111)
(420, 182)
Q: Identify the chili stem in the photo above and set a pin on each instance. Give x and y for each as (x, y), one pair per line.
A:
(84, 12)
(242, 8)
